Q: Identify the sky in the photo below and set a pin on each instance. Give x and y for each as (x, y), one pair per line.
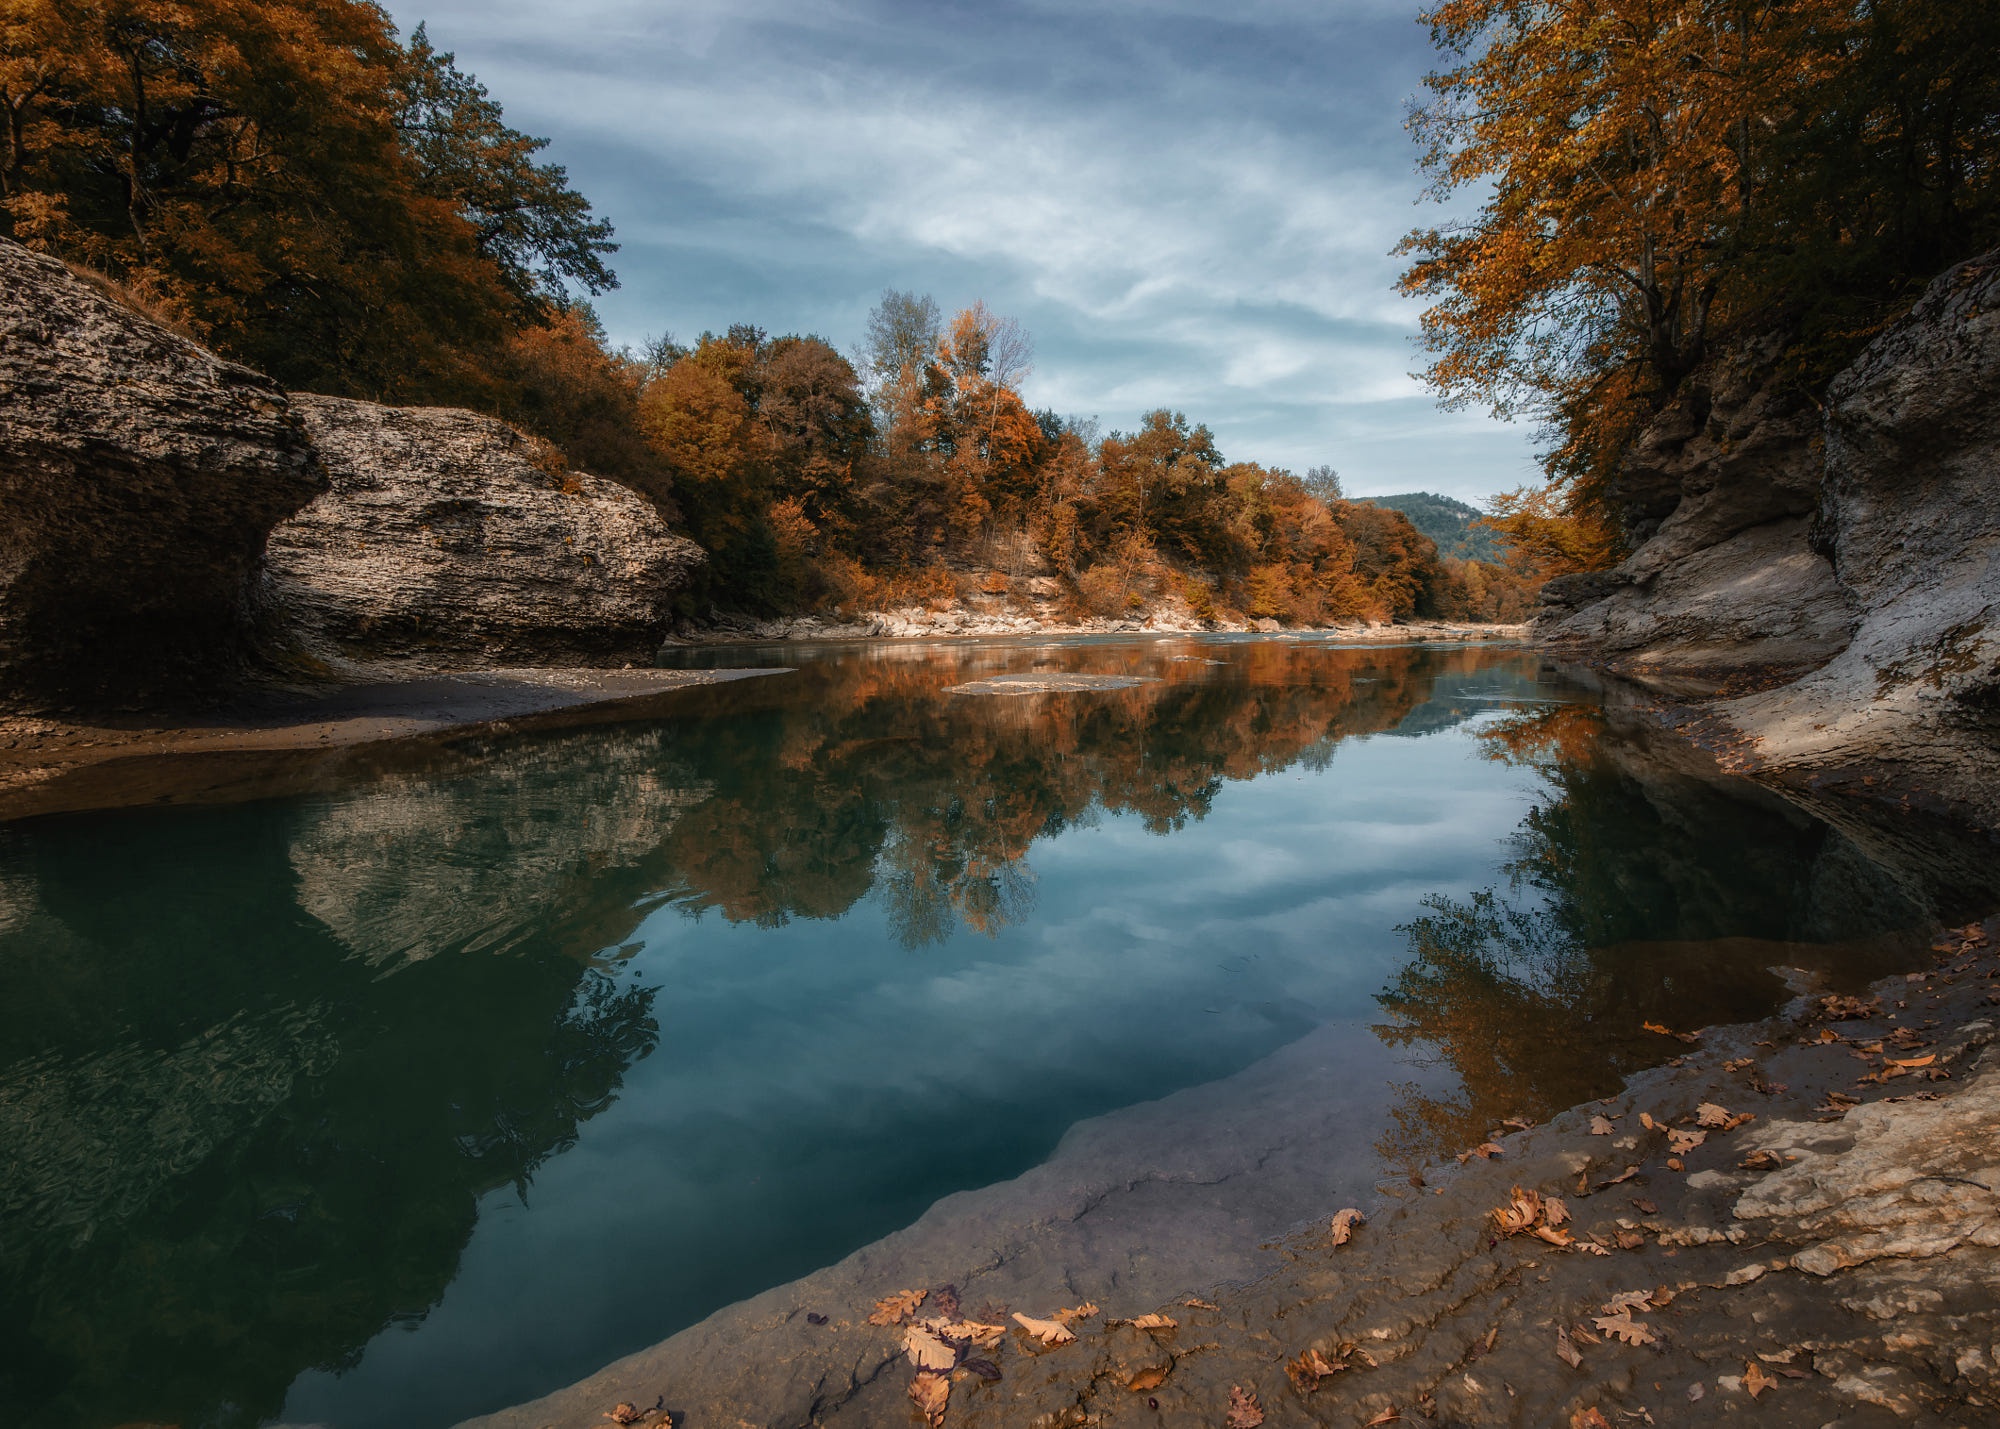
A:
(1188, 204)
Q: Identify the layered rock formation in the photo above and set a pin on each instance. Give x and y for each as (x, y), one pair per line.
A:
(139, 475)
(452, 540)
(1859, 551)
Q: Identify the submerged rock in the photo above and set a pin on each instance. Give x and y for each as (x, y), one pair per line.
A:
(139, 475)
(451, 540)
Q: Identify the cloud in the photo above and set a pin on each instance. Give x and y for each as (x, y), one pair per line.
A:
(1190, 205)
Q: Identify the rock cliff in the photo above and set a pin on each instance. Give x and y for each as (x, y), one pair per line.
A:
(139, 475)
(1856, 550)
(171, 523)
(450, 540)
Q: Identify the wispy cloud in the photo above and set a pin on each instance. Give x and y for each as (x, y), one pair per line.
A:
(1191, 205)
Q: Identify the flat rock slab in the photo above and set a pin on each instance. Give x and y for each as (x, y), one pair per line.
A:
(1050, 684)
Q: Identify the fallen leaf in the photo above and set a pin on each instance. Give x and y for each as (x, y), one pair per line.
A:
(624, 1413)
(1663, 1031)
(1244, 1411)
(1049, 1332)
(1073, 1314)
(1589, 1419)
(1150, 1378)
(929, 1393)
(967, 1332)
(1344, 1223)
(1760, 1161)
(1309, 1369)
(1568, 1353)
(1624, 1327)
(1154, 1322)
(984, 1368)
(1519, 1123)
(1755, 1381)
(1194, 1304)
(1674, 1164)
(1485, 1151)
(1646, 1207)
(1646, 1120)
(1709, 1114)
(1912, 1061)
(944, 1302)
(1552, 1235)
(813, 1317)
(1695, 1392)
(1601, 1126)
(1627, 1174)
(1737, 1064)
(897, 1308)
(1590, 1247)
(1626, 1301)
(1554, 1211)
(927, 1351)
(1631, 1240)
(1682, 1142)
(1387, 1416)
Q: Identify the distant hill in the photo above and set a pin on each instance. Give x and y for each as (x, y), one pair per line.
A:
(1446, 521)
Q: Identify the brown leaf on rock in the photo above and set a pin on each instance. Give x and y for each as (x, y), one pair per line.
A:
(1907, 1062)
(1646, 1120)
(1073, 1314)
(1244, 1410)
(1154, 1322)
(1626, 1301)
(1520, 1213)
(1151, 1377)
(1344, 1223)
(929, 1393)
(1627, 1174)
(1485, 1151)
(928, 1351)
(1674, 1163)
(1630, 1240)
(1591, 1418)
(1554, 1210)
(1194, 1304)
(1601, 1126)
(1623, 1327)
(624, 1412)
(1682, 1142)
(1567, 1352)
(944, 1302)
(894, 1309)
(1760, 1161)
(1646, 1207)
(1552, 1235)
(984, 1368)
(1387, 1416)
(1309, 1369)
(1049, 1332)
(1755, 1381)
(967, 1332)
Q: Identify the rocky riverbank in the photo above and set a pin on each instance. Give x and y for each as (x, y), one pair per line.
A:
(1797, 1216)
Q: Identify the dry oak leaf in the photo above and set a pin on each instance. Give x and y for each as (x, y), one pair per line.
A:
(966, 1332)
(1049, 1332)
(1755, 1381)
(1590, 1418)
(1552, 1235)
(1309, 1369)
(1567, 1352)
(1554, 1210)
(929, 1392)
(1601, 1126)
(1151, 1378)
(1682, 1142)
(1760, 1161)
(624, 1412)
(1344, 1223)
(1155, 1322)
(1626, 1301)
(1485, 1151)
(1646, 1120)
(1520, 1213)
(1244, 1410)
(895, 1309)
(1623, 1327)
(1073, 1314)
(927, 1351)
(1194, 1304)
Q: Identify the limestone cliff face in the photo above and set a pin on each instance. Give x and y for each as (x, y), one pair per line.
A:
(139, 475)
(1721, 489)
(1862, 546)
(171, 522)
(446, 540)
(1910, 511)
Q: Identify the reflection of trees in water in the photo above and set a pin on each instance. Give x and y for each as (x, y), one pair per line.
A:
(1639, 892)
(263, 1060)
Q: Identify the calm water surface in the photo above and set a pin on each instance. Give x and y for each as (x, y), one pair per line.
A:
(445, 1077)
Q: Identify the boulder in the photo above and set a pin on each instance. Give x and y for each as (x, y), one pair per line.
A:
(1910, 512)
(1719, 489)
(139, 476)
(450, 540)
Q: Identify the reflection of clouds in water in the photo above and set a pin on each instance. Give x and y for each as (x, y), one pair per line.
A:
(411, 866)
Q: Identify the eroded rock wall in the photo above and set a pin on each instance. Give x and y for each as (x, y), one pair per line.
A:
(139, 474)
(448, 539)
(1910, 510)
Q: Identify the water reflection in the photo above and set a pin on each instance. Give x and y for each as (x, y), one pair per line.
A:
(788, 963)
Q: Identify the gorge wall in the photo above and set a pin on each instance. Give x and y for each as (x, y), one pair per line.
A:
(172, 524)
(1847, 561)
